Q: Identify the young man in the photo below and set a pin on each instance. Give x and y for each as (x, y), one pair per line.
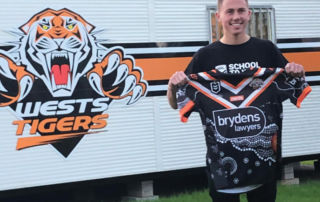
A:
(231, 54)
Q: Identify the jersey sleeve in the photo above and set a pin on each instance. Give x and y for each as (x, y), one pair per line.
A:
(294, 88)
(185, 102)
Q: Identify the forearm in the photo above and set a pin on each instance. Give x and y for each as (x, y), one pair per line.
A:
(177, 79)
(171, 95)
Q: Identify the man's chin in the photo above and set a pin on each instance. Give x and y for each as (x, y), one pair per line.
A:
(233, 30)
(238, 32)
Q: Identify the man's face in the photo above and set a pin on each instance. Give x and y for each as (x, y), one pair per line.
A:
(234, 16)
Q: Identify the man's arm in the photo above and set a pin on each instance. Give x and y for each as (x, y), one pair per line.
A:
(176, 80)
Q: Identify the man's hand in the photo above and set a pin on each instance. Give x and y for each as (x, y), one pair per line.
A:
(176, 80)
(295, 70)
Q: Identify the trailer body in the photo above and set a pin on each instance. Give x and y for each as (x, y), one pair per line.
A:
(154, 38)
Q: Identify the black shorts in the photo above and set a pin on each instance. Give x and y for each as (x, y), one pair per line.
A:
(266, 193)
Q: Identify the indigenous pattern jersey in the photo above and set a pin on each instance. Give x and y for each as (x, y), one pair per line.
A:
(243, 116)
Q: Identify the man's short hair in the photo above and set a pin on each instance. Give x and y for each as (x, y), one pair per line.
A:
(220, 3)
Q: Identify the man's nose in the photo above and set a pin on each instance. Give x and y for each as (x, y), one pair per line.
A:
(236, 15)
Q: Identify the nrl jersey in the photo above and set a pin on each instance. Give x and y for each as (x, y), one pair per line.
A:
(242, 114)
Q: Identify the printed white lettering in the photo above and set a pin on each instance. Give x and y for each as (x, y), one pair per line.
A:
(257, 117)
(83, 104)
(238, 119)
(241, 67)
(247, 128)
(100, 105)
(49, 108)
(64, 107)
(26, 111)
(239, 122)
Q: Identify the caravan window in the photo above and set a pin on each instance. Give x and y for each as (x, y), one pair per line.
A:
(261, 25)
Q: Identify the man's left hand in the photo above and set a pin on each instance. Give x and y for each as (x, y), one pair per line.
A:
(295, 70)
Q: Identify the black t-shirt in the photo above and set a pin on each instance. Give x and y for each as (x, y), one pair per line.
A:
(242, 121)
(236, 58)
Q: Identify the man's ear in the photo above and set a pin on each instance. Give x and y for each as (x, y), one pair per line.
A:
(249, 13)
(218, 15)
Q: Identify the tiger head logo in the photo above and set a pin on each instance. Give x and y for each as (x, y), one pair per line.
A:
(58, 48)
(58, 56)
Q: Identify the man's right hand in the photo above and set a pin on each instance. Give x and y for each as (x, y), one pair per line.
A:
(176, 80)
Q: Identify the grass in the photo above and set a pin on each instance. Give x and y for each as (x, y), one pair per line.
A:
(307, 191)
(307, 162)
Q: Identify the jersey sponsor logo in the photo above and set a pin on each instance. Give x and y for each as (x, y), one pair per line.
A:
(60, 80)
(236, 98)
(222, 68)
(237, 68)
(239, 122)
(215, 87)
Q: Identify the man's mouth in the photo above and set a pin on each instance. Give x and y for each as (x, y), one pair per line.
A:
(60, 69)
(237, 24)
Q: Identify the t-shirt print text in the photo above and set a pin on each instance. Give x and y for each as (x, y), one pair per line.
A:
(236, 68)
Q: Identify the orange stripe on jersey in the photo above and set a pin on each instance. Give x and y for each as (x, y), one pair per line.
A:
(210, 96)
(303, 95)
(243, 81)
(209, 76)
(185, 110)
(258, 72)
(232, 86)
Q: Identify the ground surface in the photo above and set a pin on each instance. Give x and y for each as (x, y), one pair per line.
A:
(104, 192)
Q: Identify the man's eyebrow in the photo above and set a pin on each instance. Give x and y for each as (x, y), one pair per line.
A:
(230, 9)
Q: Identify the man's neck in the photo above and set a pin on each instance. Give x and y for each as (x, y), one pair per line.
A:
(235, 40)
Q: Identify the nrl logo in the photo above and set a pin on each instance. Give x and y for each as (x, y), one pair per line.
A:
(215, 87)
(60, 80)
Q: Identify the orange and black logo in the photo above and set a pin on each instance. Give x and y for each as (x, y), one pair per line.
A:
(60, 81)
